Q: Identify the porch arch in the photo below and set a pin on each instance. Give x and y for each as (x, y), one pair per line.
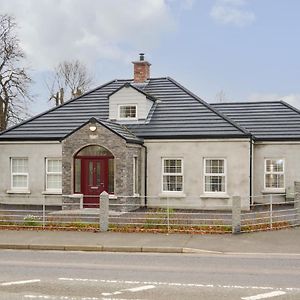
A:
(93, 172)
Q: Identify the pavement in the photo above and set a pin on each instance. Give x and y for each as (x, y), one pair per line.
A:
(286, 241)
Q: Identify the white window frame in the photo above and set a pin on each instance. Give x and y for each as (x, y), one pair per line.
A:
(275, 173)
(135, 176)
(52, 173)
(172, 174)
(125, 105)
(224, 174)
(12, 174)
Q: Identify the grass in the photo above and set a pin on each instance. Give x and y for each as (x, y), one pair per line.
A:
(156, 221)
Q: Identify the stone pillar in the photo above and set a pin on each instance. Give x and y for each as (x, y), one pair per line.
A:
(104, 212)
(236, 214)
(297, 203)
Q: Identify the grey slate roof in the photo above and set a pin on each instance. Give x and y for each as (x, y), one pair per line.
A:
(177, 113)
(181, 114)
(265, 120)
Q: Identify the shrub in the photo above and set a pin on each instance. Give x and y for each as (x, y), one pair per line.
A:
(31, 220)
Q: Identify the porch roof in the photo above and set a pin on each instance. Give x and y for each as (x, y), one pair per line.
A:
(116, 128)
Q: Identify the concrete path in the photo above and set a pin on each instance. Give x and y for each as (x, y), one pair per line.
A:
(272, 242)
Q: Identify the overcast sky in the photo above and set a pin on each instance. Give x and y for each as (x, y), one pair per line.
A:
(249, 49)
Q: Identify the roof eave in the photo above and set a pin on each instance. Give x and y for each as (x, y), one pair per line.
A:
(182, 137)
(14, 139)
(277, 139)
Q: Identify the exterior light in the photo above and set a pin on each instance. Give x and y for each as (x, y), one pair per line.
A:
(93, 126)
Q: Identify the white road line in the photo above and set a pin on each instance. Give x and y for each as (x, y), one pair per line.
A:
(111, 294)
(19, 282)
(183, 284)
(71, 298)
(264, 296)
(133, 290)
(141, 288)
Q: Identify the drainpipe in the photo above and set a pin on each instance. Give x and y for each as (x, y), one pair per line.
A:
(145, 176)
(251, 169)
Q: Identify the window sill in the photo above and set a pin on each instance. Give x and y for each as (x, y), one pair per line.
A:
(18, 192)
(215, 195)
(273, 191)
(51, 193)
(172, 195)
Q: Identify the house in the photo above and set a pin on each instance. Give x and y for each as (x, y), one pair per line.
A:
(151, 140)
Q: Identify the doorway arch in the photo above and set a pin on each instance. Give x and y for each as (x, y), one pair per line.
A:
(93, 173)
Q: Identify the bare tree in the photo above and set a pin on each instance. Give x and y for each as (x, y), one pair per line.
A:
(221, 96)
(14, 79)
(71, 79)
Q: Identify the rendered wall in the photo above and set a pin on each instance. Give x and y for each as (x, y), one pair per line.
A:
(290, 152)
(37, 154)
(193, 153)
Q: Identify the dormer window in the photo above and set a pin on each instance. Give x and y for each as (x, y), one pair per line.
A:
(127, 112)
(129, 104)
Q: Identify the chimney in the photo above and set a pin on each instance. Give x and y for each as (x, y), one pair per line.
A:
(141, 69)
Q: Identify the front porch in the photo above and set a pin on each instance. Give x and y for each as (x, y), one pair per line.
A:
(101, 160)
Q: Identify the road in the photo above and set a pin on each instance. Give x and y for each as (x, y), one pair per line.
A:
(92, 276)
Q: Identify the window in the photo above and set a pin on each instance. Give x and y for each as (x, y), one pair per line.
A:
(127, 112)
(135, 176)
(111, 180)
(214, 176)
(172, 180)
(53, 174)
(274, 173)
(19, 173)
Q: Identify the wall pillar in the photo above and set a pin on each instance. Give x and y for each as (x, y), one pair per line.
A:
(236, 214)
(104, 212)
(297, 202)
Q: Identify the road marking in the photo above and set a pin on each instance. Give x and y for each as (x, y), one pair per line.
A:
(182, 284)
(141, 288)
(20, 282)
(133, 290)
(72, 298)
(264, 296)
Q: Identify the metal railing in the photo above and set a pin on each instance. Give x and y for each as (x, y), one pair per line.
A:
(130, 214)
(169, 218)
(270, 212)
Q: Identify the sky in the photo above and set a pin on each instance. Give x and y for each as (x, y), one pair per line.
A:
(222, 50)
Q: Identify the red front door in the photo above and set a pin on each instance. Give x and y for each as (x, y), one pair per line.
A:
(94, 180)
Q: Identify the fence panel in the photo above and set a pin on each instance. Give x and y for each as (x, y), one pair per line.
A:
(270, 213)
(130, 214)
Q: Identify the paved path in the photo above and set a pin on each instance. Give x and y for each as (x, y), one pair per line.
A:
(274, 242)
